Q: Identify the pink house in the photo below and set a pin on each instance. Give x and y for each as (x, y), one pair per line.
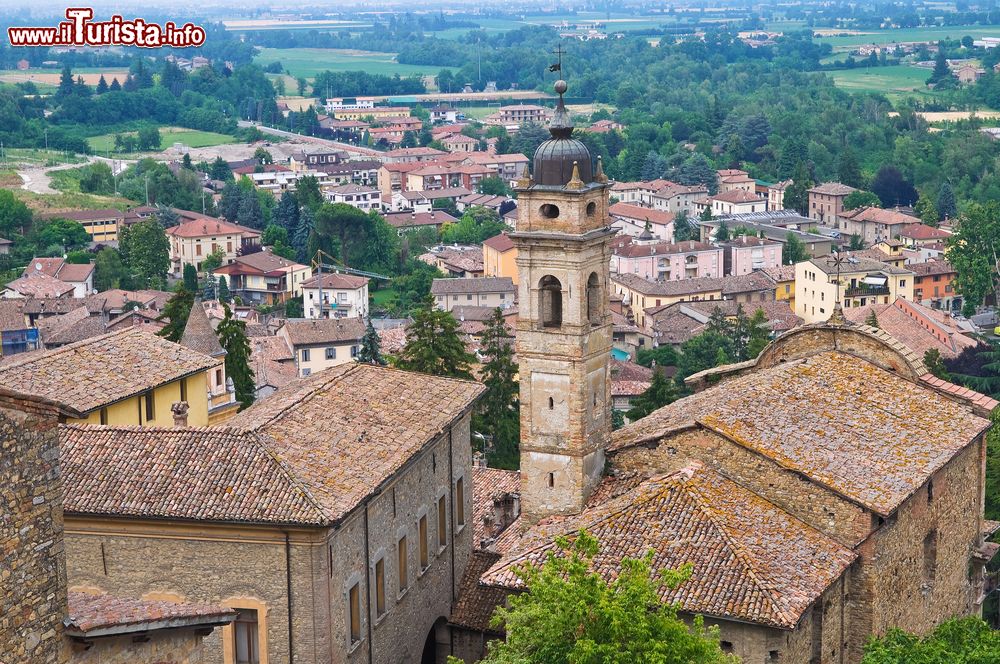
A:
(665, 261)
(632, 220)
(745, 254)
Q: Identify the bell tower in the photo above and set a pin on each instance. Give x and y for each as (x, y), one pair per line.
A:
(564, 323)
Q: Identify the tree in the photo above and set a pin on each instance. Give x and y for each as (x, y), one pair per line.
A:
(210, 291)
(108, 269)
(571, 613)
(935, 364)
(65, 233)
(860, 198)
(848, 170)
(941, 70)
(661, 391)
(663, 356)
(149, 138)
(794, 250)
(797, 193)
(977, 368)
(925, 210)
(493, 186)
(945, 203)
(220, 170)
(223, 289)
(683, 228)
(528, 138)
(286, 213)
(213, 261)
(301, 83)
(176, 312)
(433, 345)
(65, 88)
(704, 351)
(115, 86)
(308, 193)
(498, 415)
(15, 217)
(97, 178)
(759, 334)
(102, 85)
(966, 640)
(722, 232)
(871, 320)
(250, 214)
(476, 225)
(145, 251)
(304, 230)
(892, 188)
(263, 156)
(371, 347)
(974, 251)
(446, 205)
(695, 170)
(190, 277)
(364, 239)
(855, 243)
(233, 338)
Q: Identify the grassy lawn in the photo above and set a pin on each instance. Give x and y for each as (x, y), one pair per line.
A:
(380, 297)
(169, 135)
(33, 157)
(308, 62)
(911, 35)
(895, 81)
(70, 201)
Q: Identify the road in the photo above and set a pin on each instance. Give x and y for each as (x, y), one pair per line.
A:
(347, 147)
(36, 178)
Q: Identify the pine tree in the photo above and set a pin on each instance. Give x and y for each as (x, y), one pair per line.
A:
(848, 171)
(190, 277)
(722, 232)
(498, 416)
(224, 295)
(65, 82)
(233, 337)
(176, 312)
(683, 228)
(211, 290)
(186, 162)
(286, 214)
(115, 86)
(433, 345)
(760, 335)
(945, 204)
(102, 85)
(300, 238)
(371, 347)
(871, 320)
(661, 391)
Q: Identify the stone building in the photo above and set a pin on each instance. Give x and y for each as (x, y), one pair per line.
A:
(333, 517)
(828, 491)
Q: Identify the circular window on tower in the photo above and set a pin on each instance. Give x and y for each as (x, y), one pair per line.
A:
(549, 211)
(591, 209)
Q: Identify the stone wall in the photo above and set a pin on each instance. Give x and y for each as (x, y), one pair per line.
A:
(171, 646)
(32, 563)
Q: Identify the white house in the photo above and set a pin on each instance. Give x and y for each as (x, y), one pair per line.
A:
(343, 296)
(360, 196)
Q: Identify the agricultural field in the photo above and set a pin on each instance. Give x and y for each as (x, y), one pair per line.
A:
(33, 157)
(192, 138)
(848, 41)
(50, 77)
(895, 81)
(308, 62)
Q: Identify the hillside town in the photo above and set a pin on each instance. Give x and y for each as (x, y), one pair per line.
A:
(396, 378)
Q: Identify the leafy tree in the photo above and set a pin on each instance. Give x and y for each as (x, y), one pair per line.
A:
(149, 138)
(210, 291)
(413, 285)
(892, 188)
(695, 170)
(293, 307)
(176, 312)
(263, 156)
(97, 178)
(683, 228)
(935, 364)
(861, 198)
(190, 277)
(663, 356)
(233, 338)
(926, 211)
(570, 613)
(759, 335)
(704, 351)
(498, 416)
(145, 250)
(286, 214)
(528, 138)
(848, 170)
(661, 391)
(945, 203)
(493, 186)
(364, 239)
(797, 193)
(957, 641)
(301, 83)
(476, 225)
(303, 231)
(371, 347)
(62, 232)
(108, 269)
(974, 251)
(213, 261)
(722, 232)
(220, 170)
(446, 205)
(794, 250)
(186, 161)
(223, 289)
(855, 243)
(15, 217)
(308, 193)
(433, 345)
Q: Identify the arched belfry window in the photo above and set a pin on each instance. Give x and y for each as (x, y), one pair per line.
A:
(594, 299)
(550, 301)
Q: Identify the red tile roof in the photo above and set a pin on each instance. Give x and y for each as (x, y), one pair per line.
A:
(738, 196)
(94, 615)
(629, 211)
(39, 285)
(207, 227)
(923, 232)
(501, 243)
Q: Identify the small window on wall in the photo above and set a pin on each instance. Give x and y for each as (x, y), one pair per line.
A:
(422, 530)
(150, 407)
(246, 645)
(594, 299)
(460, 502)
(442, 523)
(403, 564)
(380, 587)
(354, 610)
(550, 301)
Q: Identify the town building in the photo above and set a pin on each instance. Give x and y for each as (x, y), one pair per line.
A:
(634, 220)
(363, 172)
(873, 224)
(734, 179)
(934, 285)
(335, 296)
(500, 258)
(746, 253)
(783, 277)
(78, 275)
(513, 117)
(411, 155)
(316, 158)
(363, 197)
(5, 246)
(102, 225)
(459, 143)
(461, 261)
(443, 113)
(862, 281)
(922, 235)
(641, 294)
(264, 278)
(673, 324)
(734, 201)
(826, 201)
(360, 108)
(476, 291)
(322, 343)
(38, 285)
(628, 381)
(917, 327)
(408, 221)
(777, 226)
(191, 242)
(776, 195)
(668, 261)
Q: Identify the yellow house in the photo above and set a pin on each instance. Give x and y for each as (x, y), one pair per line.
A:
(499, 254)
(641, 294)
(784, 283)
(128, 377)
(863, 282)
(201, 338)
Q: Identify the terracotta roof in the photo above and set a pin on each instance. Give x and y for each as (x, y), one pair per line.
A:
(880, 216)
(392, 340)
(752, 561)
(85, 215)
(782, 273)
(672, 288)
(930, 268)
(40, 285)
(489, 485)
(216, 474)
(476, 602)
(324, 331)
(406, 219)
(413, 152)
(93, 615)
(832, 189)
(745, 283)
(848, 425)
(261, 261)
(633, 250)
(501, 243)
(12, 315)
(207, 227)
(629, 379)
(738, 196)
(629, 211)
(89, 374)
(917, 327)
(66, 328)
(199, 335)
(986, 403)
(472, 285)
(271, 361)
(923, 232)
(336, 280)
(346, 430)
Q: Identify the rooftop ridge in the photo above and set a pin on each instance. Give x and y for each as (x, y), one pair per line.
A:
(69, 347)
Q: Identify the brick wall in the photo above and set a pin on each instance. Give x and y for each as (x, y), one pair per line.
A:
(32, 565)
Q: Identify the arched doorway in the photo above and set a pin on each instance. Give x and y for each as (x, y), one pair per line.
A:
(436, 644)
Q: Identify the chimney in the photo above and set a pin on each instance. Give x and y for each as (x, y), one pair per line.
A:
(180, 411)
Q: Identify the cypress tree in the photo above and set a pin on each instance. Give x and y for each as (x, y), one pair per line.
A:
(371, 351)
(498, 414)
(190, 277)
(176, 312)
(233, 337)
(224, 295)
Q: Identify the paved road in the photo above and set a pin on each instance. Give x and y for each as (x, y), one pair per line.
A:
(353, 149)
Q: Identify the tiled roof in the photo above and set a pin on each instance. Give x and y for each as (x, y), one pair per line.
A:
(472, 285)
(917, 327)
(880, 216)
(782, 273)
(89, 374)
(752, 561)
(501, 243)
(672, 288)
(346, 430)
(324, 331)
(629, 211)
(476, 602)
(488, 486)
(632, 250)
(207, 227)
(271, 361)
(39, 285)
(744, 283)
(93, 615)
(629, 379)
(863, 432)
(406, 219)
(923, 232)
(738, 196)
(199, 335)
(986, 403)
(12, 315)
(832, 189)
(392, 340)
(336, 280)
(260, 261)
(216, 474)
(66, 328)
(930, 268)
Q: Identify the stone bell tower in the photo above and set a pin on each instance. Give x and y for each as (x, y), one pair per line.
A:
(564, 323)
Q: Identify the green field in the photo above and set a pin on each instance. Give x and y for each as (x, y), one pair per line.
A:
(895, 81)
(910, 35)
(308, 62)
(169, 135)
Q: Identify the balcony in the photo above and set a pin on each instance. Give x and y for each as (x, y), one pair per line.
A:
(866, 291)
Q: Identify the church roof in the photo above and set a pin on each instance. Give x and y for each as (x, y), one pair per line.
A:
(752, 561)
(199, 335)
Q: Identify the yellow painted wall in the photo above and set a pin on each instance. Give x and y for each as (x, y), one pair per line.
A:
(497, 264)
(132, 411)
(785, 290)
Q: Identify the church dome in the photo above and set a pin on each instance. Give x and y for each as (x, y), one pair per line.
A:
(554, 158)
